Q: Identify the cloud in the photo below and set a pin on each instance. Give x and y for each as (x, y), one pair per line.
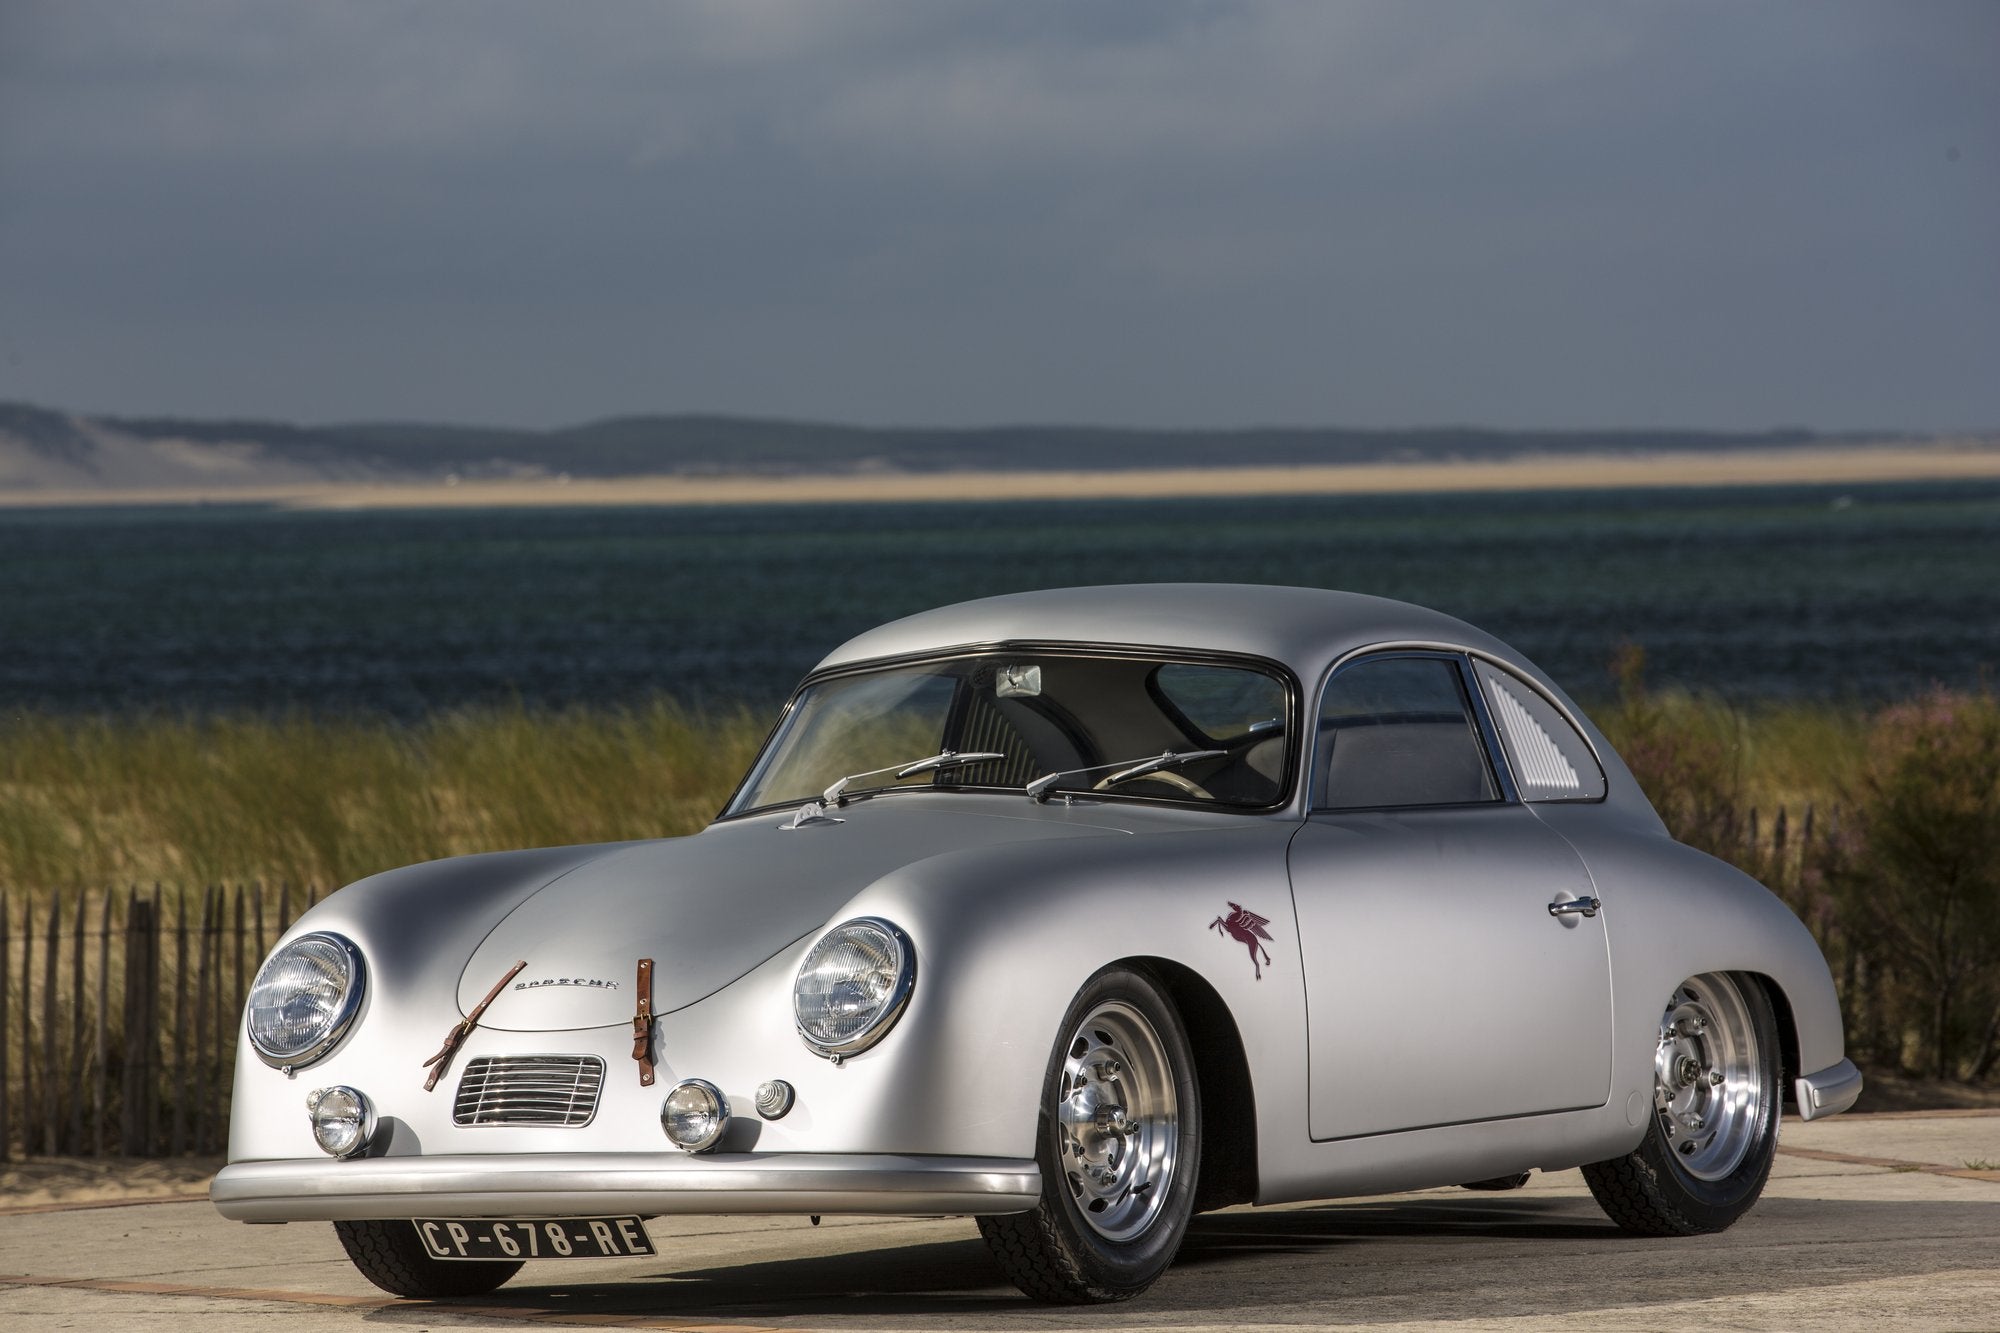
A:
(1188, 210)
(941, 85)
(1219, 83)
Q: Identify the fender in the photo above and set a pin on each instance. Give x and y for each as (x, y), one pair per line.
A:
(1672, 912)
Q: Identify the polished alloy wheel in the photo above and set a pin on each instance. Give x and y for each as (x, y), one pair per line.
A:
(1118, 1120)
(1118, 1148)
(1709, 1087)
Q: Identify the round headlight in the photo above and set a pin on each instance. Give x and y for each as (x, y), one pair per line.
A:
(853, 986)
(694, 1114)
(342, 1120)
(304, 997)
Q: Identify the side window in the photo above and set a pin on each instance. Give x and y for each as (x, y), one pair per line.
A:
(1398, 731)
(1551, 762)
(1222, 703)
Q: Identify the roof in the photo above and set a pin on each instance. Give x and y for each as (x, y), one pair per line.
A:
(1306, 629)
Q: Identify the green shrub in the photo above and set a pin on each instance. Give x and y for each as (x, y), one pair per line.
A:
(1917, 876)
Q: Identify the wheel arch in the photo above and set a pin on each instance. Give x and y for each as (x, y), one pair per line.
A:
(1788, 1032)
(1222, 1073)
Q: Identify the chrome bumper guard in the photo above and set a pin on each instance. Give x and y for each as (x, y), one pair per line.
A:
(647, 1184)
(1829, 1092)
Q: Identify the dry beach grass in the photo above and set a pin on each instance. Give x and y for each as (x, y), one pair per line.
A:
(92, 802)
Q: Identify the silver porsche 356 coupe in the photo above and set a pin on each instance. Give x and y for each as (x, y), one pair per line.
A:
(1076, 911)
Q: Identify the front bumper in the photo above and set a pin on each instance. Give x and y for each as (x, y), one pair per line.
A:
(1829, 1092)
(648, 1184)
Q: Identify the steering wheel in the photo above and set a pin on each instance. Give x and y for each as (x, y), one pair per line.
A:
(1166, 775)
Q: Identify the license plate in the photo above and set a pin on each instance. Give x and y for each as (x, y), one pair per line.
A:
(533, 1237)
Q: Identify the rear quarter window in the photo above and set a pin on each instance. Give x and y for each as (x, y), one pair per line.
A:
(1550, 759)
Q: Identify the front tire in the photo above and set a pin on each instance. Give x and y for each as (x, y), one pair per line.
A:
(390, 1254)
(1714, 1126)
(1118, 1143)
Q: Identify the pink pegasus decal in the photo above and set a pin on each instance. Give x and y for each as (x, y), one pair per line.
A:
(1245, 925)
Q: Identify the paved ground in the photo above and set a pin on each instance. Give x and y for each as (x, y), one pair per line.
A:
(1908, 1237)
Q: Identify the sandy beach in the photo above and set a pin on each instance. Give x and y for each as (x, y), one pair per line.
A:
(1827, 464)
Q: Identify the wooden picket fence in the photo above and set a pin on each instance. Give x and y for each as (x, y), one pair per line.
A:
(119, 1014)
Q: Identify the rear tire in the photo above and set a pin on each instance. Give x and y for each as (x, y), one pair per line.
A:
(390, 1254)
(1118, 1144)
(1713, 1130)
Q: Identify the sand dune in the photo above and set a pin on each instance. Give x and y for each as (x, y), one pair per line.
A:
(1822, 464)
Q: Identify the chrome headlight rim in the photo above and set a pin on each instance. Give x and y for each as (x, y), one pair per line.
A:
(344, 1013)
(890, 1010)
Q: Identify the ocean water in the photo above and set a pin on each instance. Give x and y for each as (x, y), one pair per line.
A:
(1849, 593)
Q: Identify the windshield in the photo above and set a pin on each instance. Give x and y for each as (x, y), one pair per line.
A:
(1084, 717)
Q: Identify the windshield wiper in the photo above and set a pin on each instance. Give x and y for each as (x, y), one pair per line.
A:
(1038, 790)
(948, 759)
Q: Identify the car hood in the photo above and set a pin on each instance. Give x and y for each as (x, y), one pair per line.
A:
(709, 908)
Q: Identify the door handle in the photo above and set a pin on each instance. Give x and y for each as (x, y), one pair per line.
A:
(1585, 906)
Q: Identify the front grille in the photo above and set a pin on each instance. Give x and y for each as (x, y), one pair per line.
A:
(529, 1090)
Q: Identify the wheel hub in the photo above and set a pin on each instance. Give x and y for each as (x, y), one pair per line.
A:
(1708, 1081)
(1096, 1128)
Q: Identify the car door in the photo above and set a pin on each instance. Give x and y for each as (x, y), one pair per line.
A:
(1440, 987)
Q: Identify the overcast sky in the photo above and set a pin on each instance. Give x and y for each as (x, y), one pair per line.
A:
(1548, 214)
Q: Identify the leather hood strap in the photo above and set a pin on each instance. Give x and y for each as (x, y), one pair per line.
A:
(462, 1029)
(642, 1024)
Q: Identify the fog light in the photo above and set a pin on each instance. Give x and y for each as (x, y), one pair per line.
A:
(694, 1114)
(342, 1119)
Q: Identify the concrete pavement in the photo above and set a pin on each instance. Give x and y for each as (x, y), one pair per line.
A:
(1868, 1221)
